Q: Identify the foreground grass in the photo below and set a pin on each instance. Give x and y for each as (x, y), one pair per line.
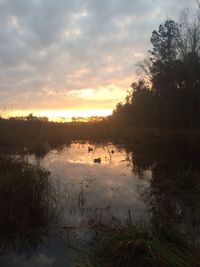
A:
(160, 241)
(28, 204)
(155, 244)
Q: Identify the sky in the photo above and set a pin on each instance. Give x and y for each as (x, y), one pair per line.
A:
(63, 58)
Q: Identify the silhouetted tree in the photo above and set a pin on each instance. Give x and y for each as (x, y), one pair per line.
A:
(30, 117)
(172, 97)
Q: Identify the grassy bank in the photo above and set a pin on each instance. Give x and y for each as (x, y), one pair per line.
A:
(28, 205)
(145, 244)
(16, 133)
(170, 238)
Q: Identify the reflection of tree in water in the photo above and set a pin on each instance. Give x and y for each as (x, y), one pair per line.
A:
(28, 205)
(174, 153)
(39, 150)
(176, 192)
(175, 183)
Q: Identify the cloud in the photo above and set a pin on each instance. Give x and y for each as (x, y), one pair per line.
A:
(51, 48)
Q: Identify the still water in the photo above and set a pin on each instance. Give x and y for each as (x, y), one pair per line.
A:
(111, 184)
(93, 184)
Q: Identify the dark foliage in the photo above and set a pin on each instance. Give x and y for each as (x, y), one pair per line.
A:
(171, 97)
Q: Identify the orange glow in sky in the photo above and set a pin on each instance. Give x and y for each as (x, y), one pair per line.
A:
(78, 58)
(61, 114)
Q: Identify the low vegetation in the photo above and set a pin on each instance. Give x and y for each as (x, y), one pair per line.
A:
(145, 244)
(28, 204)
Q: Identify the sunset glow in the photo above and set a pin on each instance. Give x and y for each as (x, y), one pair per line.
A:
(75, 58)
(62, 115)
(99, 133)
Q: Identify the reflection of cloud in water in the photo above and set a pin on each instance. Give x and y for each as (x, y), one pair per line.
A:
(54, 252)
(79, 161)
(111, 183)
(88, 190)
(21, 261)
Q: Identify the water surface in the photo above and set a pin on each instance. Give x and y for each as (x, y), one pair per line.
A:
(87, 193)
(111, 184)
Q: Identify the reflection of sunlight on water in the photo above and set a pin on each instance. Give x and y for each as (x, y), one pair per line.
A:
(90, 194)
(111, 183)
(79, 154)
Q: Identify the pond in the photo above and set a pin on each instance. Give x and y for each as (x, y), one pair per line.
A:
(111, 184)
(63, 200)
(94, 184)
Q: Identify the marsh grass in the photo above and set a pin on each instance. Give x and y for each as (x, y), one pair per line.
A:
(154, 243)
(28, 204)
(16, 133)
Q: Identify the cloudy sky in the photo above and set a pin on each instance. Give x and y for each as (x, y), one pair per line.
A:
(63, 56)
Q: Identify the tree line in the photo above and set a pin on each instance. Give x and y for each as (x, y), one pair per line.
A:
(169, 94)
